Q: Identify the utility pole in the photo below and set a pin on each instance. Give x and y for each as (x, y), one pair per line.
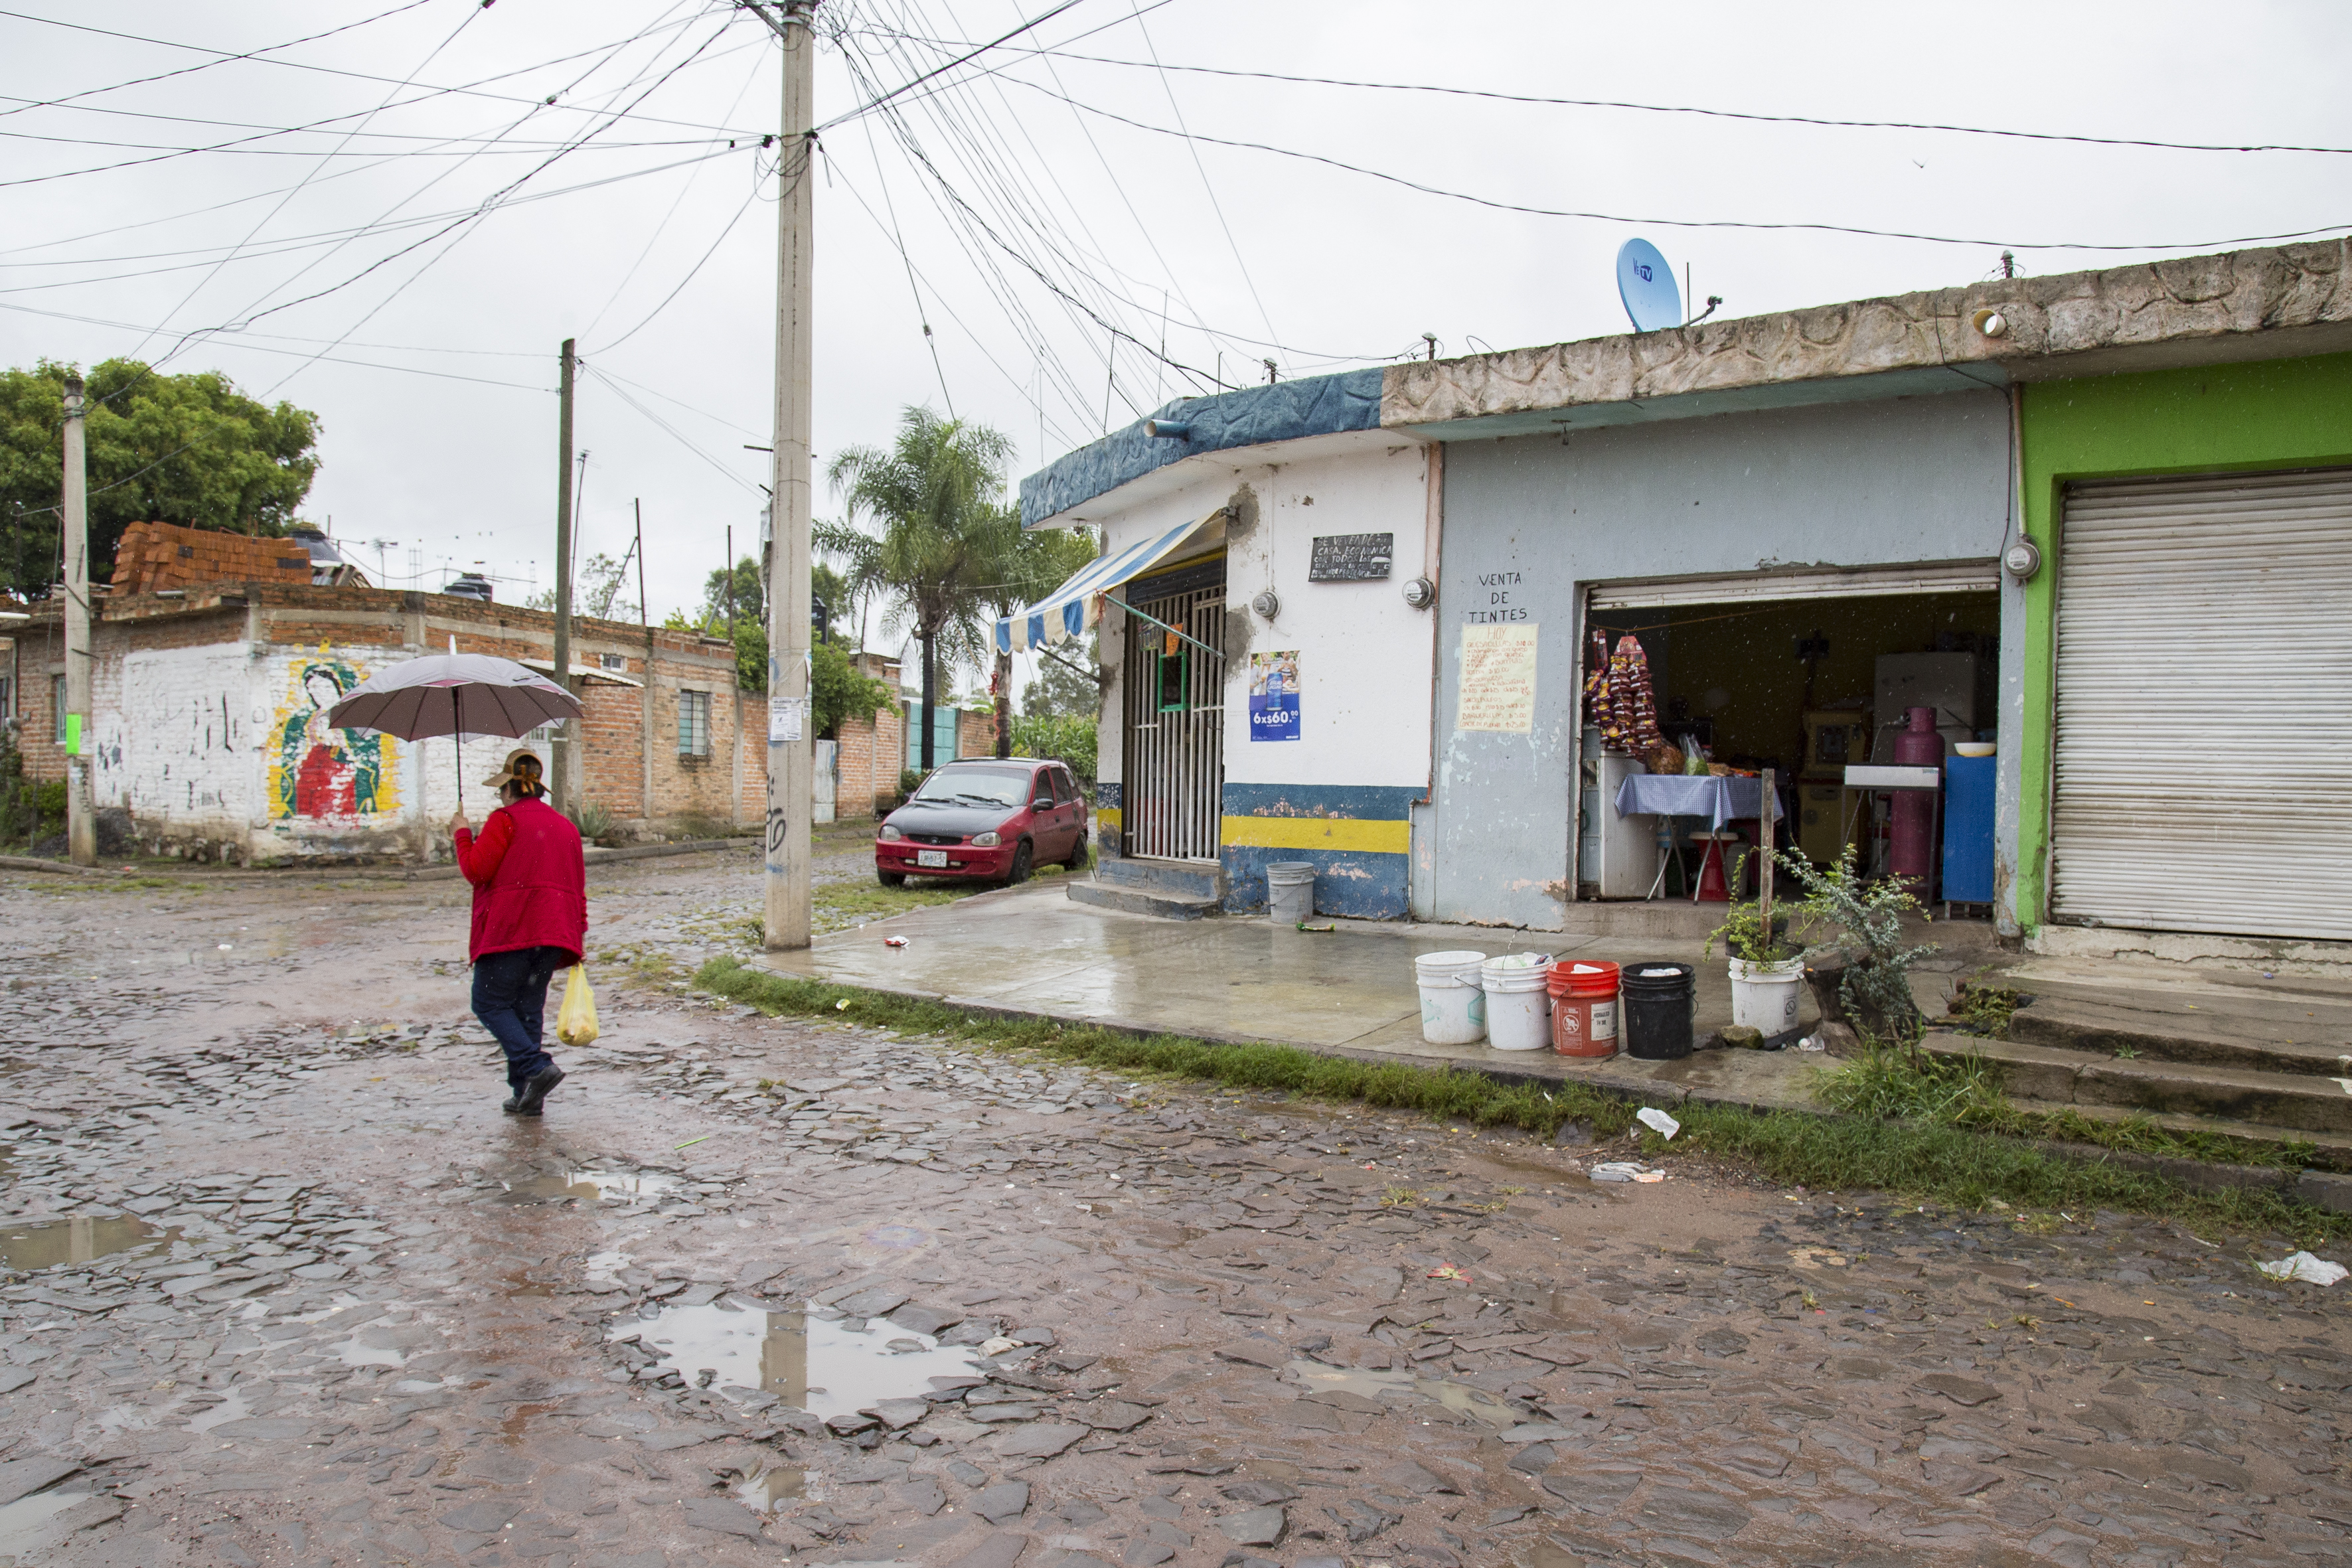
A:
(792, 758)
(81, 826)
(735, 670)
(559, 772)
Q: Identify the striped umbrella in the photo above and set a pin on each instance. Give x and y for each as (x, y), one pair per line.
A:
(454, 694)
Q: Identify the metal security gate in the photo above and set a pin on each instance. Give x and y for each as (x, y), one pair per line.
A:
(1175, 732)
(2203, 767)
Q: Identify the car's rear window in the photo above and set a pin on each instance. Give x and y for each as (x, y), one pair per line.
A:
(977, 786)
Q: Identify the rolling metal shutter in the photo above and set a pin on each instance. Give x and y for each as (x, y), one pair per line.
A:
(1811, 582)
(2203, 764)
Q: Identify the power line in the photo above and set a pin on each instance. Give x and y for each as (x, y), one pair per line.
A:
(868, 108)
(1675, 222)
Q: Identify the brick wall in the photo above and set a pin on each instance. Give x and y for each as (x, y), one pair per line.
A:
(976, 732)
(153, 555)
(205, 703)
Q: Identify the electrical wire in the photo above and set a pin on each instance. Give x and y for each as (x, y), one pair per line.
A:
(1155, 64)
(666, 427)
(1534, 211)
(973, 54)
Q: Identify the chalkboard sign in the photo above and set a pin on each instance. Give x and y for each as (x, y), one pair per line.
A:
(1351, 557)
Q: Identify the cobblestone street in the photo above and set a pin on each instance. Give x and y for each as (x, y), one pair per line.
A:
(289, 1290)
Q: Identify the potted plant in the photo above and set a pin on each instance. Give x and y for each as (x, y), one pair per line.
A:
(1767, 967)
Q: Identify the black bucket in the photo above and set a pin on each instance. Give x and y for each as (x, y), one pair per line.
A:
(1657, 998)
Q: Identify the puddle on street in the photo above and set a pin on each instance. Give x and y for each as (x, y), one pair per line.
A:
(817, 1364)
(589, 1185)
(74, 1240)
(1396, 1387)
(232, 1408)
(769, 1487)
(22, 1522)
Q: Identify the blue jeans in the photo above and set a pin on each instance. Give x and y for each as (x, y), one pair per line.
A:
(510, 999)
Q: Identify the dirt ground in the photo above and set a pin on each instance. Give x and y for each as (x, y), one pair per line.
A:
(288, 1288)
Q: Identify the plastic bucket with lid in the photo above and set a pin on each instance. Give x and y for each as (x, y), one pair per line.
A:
(1289, 891)
(1583, 1007)
(1518, 1009)
(1657, 1009)
(1453, 1007)
(1764, 998)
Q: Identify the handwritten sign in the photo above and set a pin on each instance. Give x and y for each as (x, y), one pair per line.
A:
(1351, 557)
(1498, 679)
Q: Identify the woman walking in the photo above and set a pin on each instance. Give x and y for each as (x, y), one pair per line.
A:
(530, 918)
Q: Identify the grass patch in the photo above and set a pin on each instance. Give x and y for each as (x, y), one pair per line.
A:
(1966, 1091)
(839, 905)
(1950, 1164)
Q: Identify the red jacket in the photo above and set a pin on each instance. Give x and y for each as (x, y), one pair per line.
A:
(531, 885)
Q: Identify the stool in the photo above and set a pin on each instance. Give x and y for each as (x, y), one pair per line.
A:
(1712, 888)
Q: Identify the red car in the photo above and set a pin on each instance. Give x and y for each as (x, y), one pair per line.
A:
(987, 818)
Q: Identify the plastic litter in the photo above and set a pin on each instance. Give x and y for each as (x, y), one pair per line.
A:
(1448, 1271)
(1617, 1171)
(575, 1021)
(894, 941)
(2303, 1265)
(1812, 1043)
(1304, 926)
(1658, 1122)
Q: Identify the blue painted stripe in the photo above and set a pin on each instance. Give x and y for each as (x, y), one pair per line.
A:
(1372, 802)
(1351, 883)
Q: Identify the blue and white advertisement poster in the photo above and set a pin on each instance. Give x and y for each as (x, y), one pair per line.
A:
(1274, 696)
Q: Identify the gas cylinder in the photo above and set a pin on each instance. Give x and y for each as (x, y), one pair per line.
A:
(1911, 850)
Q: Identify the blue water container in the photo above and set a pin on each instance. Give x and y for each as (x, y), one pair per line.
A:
(1968, 829)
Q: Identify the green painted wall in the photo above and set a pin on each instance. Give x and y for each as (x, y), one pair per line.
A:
(2275, 413)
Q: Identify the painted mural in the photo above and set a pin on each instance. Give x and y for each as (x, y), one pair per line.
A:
(317, 773)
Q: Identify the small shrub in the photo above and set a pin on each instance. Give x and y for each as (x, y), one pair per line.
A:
(595, 822)
(1877, 986)
(909, 780)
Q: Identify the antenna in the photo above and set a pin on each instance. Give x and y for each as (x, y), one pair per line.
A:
(1646, 285)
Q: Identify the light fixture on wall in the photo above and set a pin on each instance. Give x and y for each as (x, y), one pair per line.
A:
(1266, 605)
(2021, 560)
(1421, 593)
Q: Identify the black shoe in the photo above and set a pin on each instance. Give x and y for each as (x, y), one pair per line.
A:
(510, 1105)
(535, 1089)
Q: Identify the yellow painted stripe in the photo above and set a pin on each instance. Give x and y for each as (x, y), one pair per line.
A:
(1106, 816)
(1340, 832)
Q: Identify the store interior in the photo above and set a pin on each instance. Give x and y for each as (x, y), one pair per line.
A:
(1803, 687)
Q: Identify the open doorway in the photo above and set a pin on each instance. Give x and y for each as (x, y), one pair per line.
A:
(1806, 685)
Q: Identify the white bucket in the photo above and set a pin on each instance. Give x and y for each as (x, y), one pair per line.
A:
(1453, 1007)
(1519, 1008)
(1289, 891)
(1764, 996)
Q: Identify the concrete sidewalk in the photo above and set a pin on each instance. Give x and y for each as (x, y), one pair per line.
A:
(1032, 951)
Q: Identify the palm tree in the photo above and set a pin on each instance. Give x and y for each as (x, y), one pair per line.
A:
(1024, 567)
(936, 543)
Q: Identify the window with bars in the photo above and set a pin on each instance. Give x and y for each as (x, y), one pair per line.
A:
(694, 723)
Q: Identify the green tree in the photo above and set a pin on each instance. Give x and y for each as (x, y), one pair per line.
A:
(597, 594)
(837, 691)
(932, 499)
(1063, 689)
(190, 449)
(1024, 565)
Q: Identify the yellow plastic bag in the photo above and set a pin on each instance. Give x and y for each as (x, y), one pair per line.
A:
(575, 1021)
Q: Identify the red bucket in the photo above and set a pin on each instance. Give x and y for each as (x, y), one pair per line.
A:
(1583, 1007)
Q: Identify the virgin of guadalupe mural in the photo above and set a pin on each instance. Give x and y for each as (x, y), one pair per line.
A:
(318, 770)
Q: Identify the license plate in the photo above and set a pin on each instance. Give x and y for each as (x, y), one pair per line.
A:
(930, 857)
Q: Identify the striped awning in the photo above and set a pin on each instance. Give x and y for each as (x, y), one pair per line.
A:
(1074, 607)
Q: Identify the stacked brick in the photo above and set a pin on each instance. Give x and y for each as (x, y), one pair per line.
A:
(154, 556)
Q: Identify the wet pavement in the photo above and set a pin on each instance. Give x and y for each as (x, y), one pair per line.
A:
(285, 1288)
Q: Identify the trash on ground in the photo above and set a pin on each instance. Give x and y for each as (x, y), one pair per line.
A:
(1812, 1043)
(1304, 926)
(1448, 1271)
(2303, 1265)
(1624, 1171)
(1658, 1122)
(841, 1006)
(894, 941)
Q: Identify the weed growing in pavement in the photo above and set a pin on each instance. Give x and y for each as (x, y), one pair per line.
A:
(1978, 1008)
(1399, 1198)
(1960, 1165)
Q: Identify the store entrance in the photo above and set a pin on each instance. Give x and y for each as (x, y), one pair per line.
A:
(1805, 686)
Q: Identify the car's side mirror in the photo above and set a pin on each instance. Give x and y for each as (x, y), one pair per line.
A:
(1042, 802)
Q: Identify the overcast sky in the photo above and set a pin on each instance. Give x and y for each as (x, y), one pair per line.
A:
(1044, 202)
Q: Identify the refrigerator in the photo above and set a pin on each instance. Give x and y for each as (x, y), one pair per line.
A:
(1616, 857)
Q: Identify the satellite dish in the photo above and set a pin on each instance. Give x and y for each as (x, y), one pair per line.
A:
(1646, 284)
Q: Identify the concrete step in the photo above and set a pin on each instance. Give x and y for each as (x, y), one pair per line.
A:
(2200, 999)
(1172, 879)
(2290, 1105)
(2106, 1027)
(1135, 900)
